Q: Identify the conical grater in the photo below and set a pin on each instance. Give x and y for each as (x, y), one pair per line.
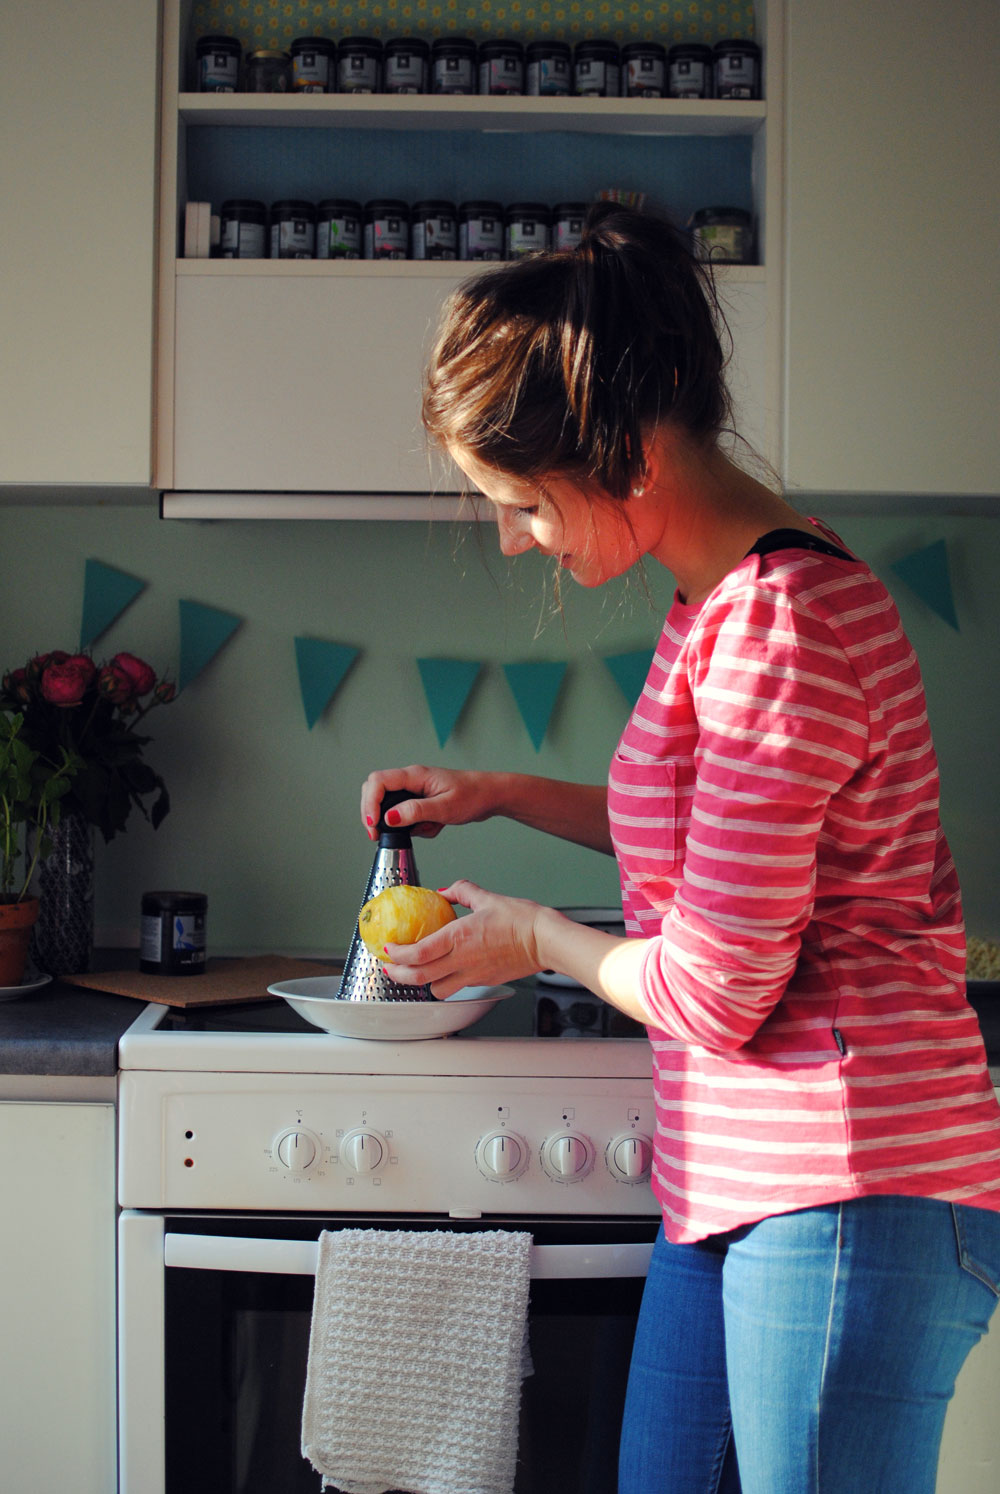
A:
(394, 866)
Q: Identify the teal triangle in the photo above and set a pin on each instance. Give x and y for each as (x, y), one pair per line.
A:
(204, 630)
(106, 594)
(926, 573)
(322, 667)
(630, 671)
(536, 687)
(447, 685)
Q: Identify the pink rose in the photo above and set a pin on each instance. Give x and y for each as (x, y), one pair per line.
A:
(114, 684)
(142, 677)
(64, 682)
(37, 665)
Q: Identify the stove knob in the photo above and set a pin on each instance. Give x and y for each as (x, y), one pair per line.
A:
(502, 1156)
(296, 1149)
(567, 1157)
(630, 1157)
(363, 1151)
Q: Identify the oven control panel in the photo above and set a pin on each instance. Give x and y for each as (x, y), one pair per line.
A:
(465, 1146)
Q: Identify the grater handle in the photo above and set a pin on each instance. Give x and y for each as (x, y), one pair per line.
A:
(400, 833)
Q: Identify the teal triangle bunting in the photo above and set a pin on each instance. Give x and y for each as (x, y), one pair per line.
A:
(447, 685)
(106, 593)
(926, 573)
(322, 667)
(630, 671)
(536, 688)
(204, 630)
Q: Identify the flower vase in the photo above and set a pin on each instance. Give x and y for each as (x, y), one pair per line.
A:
(63, 939)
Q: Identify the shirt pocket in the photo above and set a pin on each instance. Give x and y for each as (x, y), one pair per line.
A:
(649, 808)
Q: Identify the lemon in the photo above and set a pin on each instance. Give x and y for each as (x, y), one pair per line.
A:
(402, 915)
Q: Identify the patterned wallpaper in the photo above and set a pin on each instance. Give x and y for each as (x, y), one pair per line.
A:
(276, 23)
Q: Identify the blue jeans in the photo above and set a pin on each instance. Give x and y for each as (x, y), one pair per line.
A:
(812, 1353)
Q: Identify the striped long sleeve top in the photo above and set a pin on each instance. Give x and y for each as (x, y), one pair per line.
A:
(774, 808)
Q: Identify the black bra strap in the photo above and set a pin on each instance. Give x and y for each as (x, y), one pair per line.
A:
(796, 539)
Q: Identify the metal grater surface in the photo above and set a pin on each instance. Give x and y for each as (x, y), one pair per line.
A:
(363, 978)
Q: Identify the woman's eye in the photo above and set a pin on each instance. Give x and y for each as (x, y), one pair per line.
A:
(527, 512)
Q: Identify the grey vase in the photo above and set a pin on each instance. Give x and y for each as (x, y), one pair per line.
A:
(63, 938)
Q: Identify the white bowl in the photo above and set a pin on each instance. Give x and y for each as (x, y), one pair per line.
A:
(315, 998)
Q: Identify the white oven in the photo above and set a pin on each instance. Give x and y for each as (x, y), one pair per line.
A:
(245, 1134)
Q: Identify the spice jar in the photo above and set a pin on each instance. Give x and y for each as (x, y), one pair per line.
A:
(689, 71)
(567, 225)
(313, 64)
(387, 229)
(359, 65)
(172, 933)
(293, 230)
(433, 233)
(453, 65)
(243, 229)
(527, 229)
(480, 230)
(723, 235)
(405, 65)
(501, 67)
(737, 69)
(218, 60)
(268, 72)
(644, 70)
(549, 69)
(338, 229)
(597, 70)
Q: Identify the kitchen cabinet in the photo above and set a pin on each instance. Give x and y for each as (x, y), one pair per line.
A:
(892, 254)
(57, 1296)
(970, 1460)
(303, 377)
(78, 95)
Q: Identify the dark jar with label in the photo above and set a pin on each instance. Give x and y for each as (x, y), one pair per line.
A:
(527, 229)
(723, 235)
(434, 230)
(549, 71)
(644, 71)
(501, 67)
(293, 229)
(737, 69)
(567, 225)
(597, 70)
(689, 71)
(218, 62)
(453, 65)
(387, 229)
(314, 60)
(406, 65)
(338, 228)
(480, 230)
(243, 229)
(359, 65)
(172, 933)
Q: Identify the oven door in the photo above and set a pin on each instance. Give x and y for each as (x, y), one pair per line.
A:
(215, 1313)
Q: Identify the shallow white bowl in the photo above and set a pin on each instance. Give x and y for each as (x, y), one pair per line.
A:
(314, 997)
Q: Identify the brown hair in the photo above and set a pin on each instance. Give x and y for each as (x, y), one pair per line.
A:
(561, 362)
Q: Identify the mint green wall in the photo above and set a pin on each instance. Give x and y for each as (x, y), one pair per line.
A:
(265, 818)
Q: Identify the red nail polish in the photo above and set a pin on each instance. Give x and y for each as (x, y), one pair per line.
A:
(368, 819)
(392, 816)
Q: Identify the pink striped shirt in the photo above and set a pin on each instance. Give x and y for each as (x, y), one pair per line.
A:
(774, 808)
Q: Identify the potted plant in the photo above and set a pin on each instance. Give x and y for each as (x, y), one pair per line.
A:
(32, 788)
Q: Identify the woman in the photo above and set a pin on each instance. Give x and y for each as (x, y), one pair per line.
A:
(827, 1141)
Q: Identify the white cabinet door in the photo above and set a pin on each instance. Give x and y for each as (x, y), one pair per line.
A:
(892, 253)
(57, 1297)
(78, 88)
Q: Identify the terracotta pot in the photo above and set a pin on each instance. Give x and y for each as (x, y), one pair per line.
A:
(16, 923)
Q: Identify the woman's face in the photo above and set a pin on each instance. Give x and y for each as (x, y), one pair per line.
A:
(588, 536)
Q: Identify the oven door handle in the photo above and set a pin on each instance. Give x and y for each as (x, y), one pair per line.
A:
(298, 1257)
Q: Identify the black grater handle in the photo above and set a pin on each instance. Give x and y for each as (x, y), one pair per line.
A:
(395, 837)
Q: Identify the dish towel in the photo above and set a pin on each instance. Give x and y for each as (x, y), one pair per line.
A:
(413, 1380)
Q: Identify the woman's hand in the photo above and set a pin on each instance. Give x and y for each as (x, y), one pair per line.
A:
(495, 942)
(441, 796)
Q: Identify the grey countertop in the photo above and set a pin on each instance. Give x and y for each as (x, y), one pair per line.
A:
(64, 1030)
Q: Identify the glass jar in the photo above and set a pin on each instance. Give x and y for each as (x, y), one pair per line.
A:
(314, 61)
(597, 70)
(453, 65)
(480, 230)
(723, 235)
(218, 60)
(268, 72)
(338, 228)
(405, 65)
(359, 65)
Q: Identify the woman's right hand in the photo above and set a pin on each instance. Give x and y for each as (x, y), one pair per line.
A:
(441, 796)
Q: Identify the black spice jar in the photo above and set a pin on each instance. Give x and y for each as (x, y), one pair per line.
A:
(314, 61)
(338, 229)
(644, 71)
(723, 235)
(597, 70)
(737, 69)
(172, 933)
(293, 229)
(567, 225)
(689, 71)
(434, 230)
(405, 65)
(359, 65)
(480, 230)
(453, 65)
(549, 70)
(501, 67)
(218, 61)
(527, 229)
(243, 229)
(387, 229)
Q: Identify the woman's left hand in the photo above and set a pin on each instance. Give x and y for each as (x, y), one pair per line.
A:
(495, 942)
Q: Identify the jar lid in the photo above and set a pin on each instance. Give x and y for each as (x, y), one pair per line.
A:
(367, 43)
(387, 205)
(736, 44)
(453, 44)
(335, 204)
(266, 55)
(639, 48)
(528, 210)
(548, 49)
(482, 205)
(313, 44)
(720, 215)
(169, 902)
(435, 205)
(602, 45)
(231, 43)
(493, 48)
(292, 207)
(407, 44)
(690, 49)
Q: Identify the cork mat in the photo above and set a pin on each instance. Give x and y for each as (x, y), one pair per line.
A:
(223, 981)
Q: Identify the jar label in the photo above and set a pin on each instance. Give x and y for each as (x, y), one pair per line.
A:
(358, 74)
(311, 72)
(501, 75)
(339, 238)
(218, 72)
(295, 238)
(434, 238)
(728, 243)
(387, 238)
(480, 238)
(526, 237)
(596, 77)
(549, 77)
(150, 927)
(242, 240)
(405, 72)
(688, 79)
(453, 75)
(645, 77)
(735, 76)
(569, 232)
(187, 934)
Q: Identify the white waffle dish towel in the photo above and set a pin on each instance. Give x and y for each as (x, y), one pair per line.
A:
(415, 1360)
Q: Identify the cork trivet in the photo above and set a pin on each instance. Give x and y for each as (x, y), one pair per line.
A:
(223, 981)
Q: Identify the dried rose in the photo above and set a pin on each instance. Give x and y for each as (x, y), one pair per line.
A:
(15, 682)
(64, 682)
(143, 677)
(114, 684)
(165, 692)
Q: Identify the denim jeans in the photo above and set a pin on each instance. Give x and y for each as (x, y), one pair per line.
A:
(812, 1353)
